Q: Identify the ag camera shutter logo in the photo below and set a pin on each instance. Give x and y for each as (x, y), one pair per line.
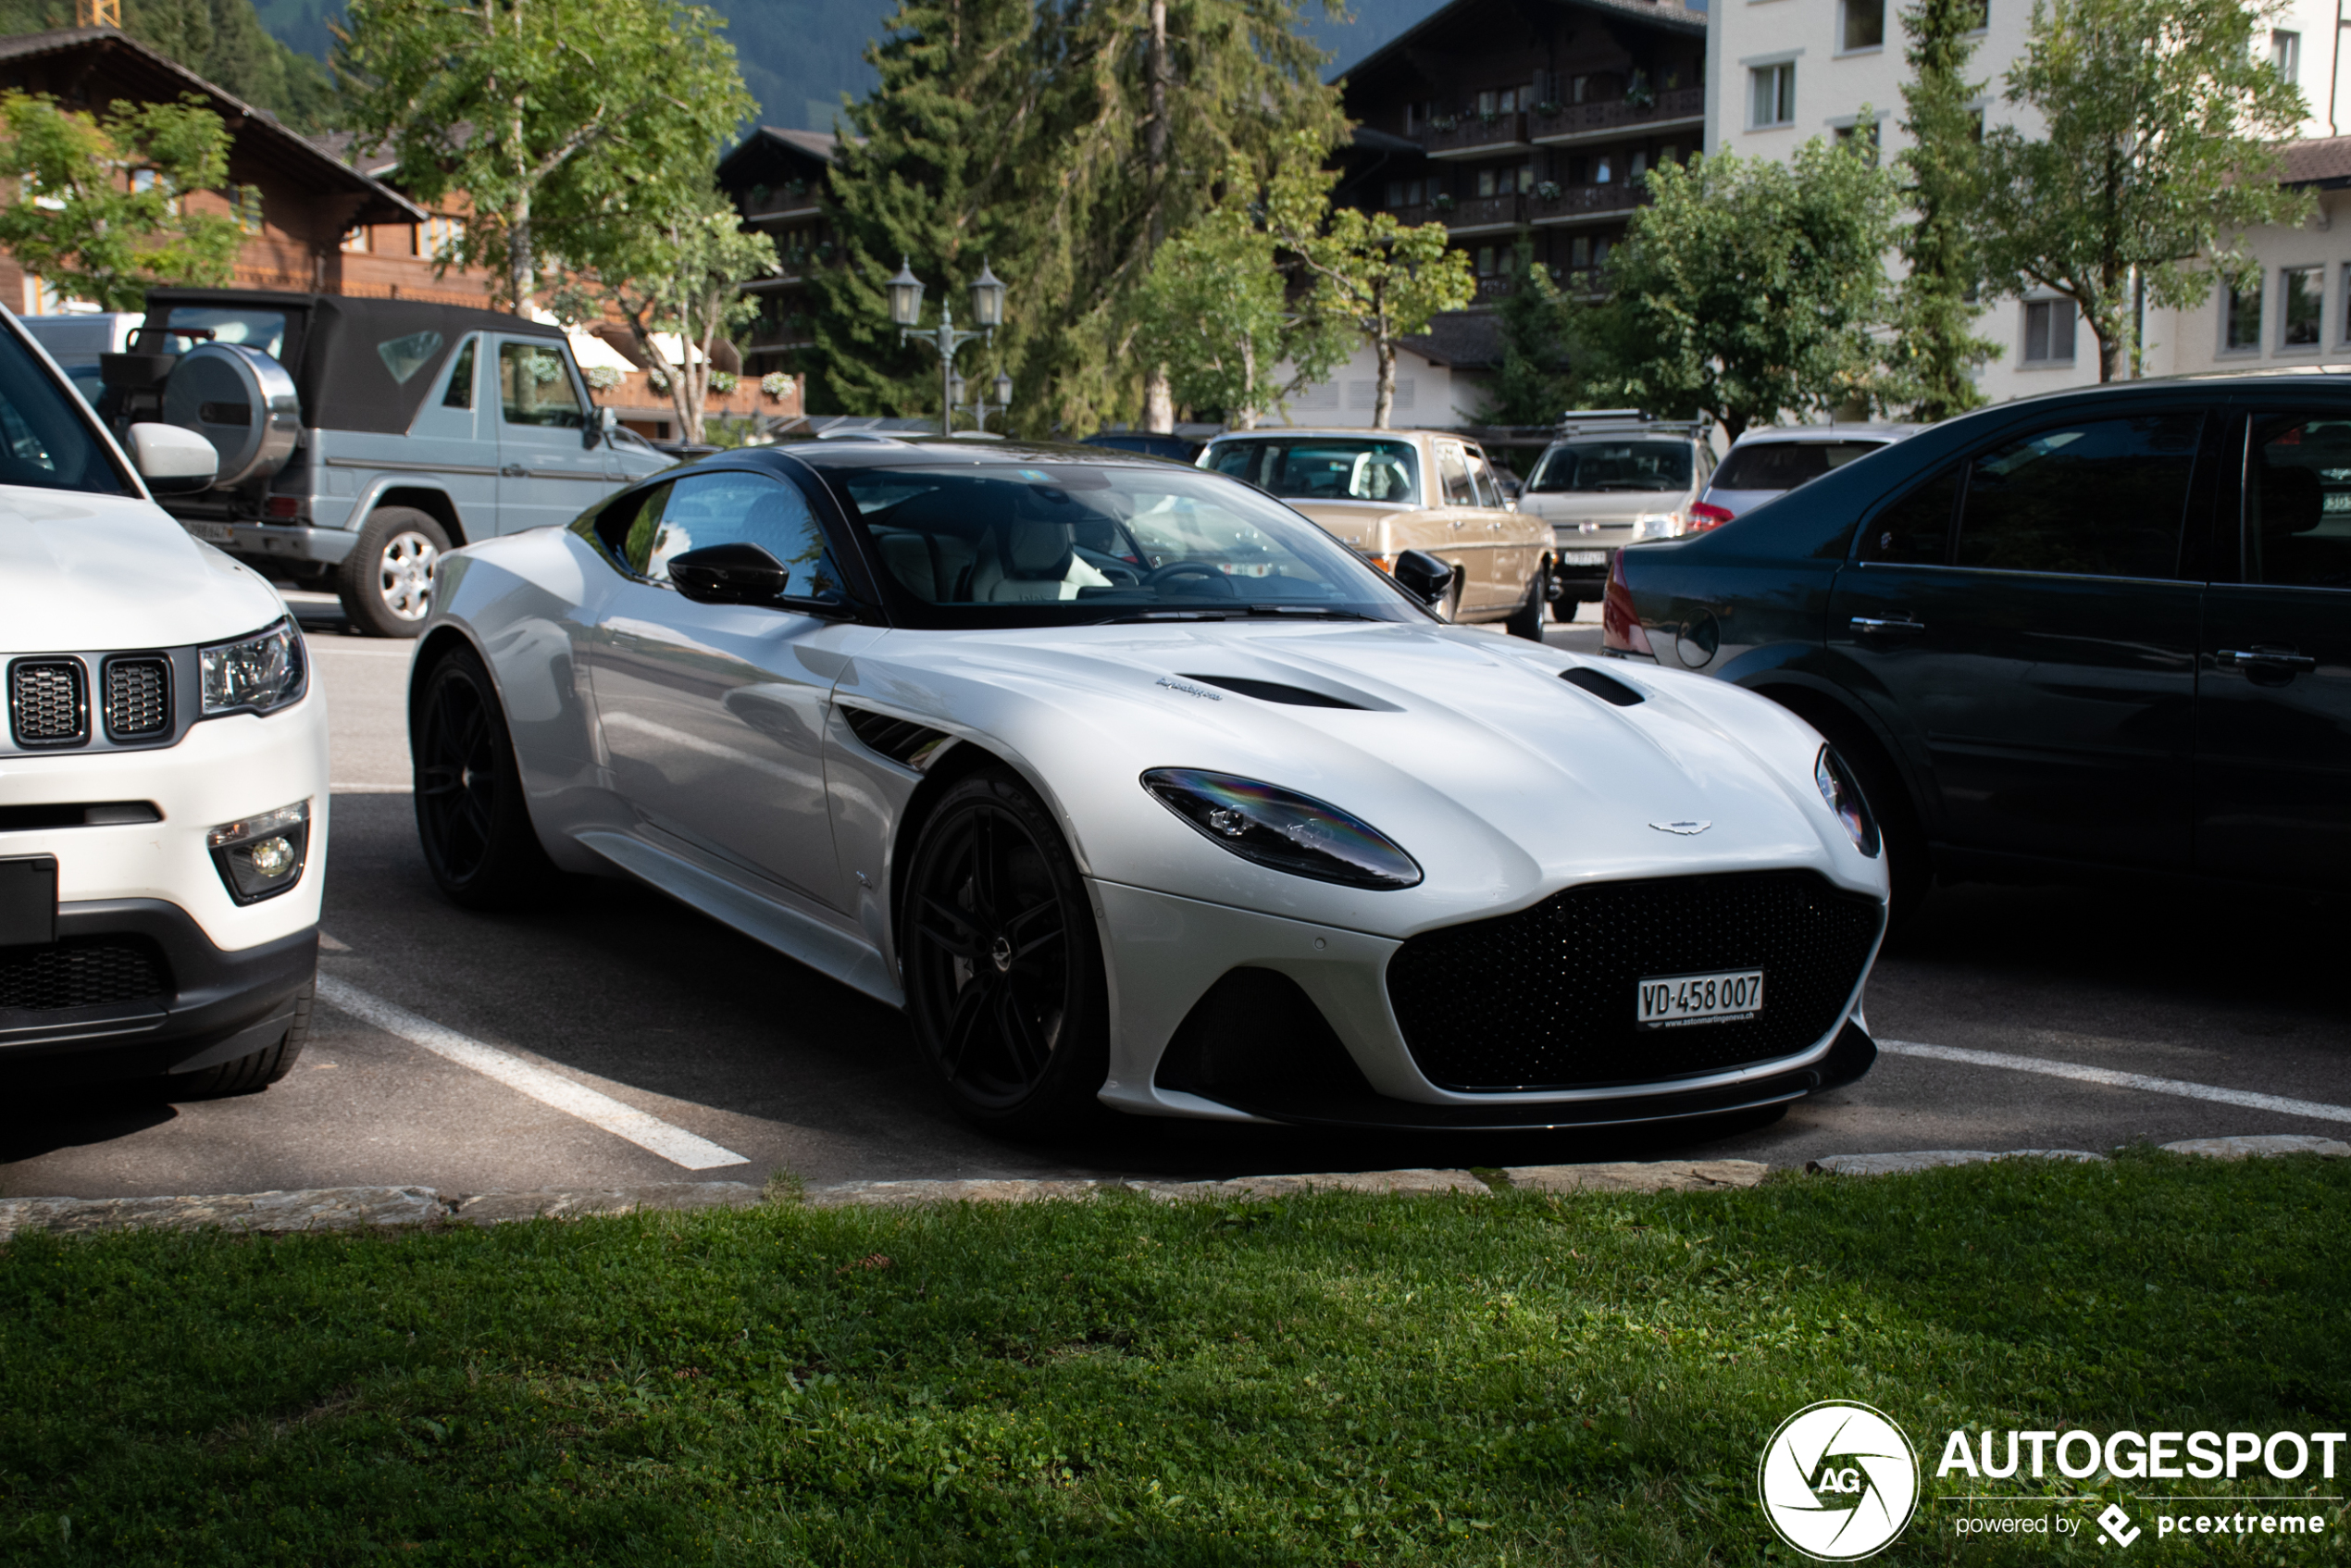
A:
(1838, 1481)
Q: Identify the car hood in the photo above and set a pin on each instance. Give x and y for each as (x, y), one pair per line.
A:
(1503, 781)
(90, 572)
(1357, 524)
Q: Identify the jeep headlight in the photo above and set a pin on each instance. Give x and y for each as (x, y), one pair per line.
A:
(261, 856)
(254, 675)
(1283, 830)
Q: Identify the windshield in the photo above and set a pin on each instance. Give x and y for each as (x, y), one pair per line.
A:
(46, 440)
(264, 330)
(1323, 467)
(1080, 542)
(1592, 466)
(1783, 465)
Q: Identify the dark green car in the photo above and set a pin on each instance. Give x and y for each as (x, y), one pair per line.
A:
(2101, 633)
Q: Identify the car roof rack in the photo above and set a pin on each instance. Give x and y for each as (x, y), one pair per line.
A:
(1625, 422)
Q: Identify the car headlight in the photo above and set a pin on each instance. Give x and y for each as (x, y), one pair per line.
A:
(1845, 799)
(260, 856)
(1284, 830)
(254, 675)
(1657, 525)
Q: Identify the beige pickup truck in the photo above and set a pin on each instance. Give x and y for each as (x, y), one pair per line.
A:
(1387, 491)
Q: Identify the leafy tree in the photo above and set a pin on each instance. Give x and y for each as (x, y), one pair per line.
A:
(1747, 289)
(1934, 349)
(539, 112)
(1531, 386)
(222, 40)
(939, 171)
(98, 209)
(1380, 278)
(1215, 312)
(2157, 152)
(673, 263)
(1146, 132)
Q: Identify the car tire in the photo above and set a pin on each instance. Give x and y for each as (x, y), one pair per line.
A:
(1910, 862)
(1002, 964)
(247, 1075)
(1527, 619)
(386, 583)
(472, 818)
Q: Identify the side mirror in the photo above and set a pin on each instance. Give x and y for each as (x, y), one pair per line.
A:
(1422, 576)
(173, 461)
(735, 573)
(602, 426)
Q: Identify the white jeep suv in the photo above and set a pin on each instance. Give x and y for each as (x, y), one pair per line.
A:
(163, 769)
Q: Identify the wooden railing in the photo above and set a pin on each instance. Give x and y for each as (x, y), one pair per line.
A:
(1616, 113)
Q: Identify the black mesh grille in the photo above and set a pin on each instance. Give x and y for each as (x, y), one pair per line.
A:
(138, 698)
(87, 973)
(46, 705)
(1546, 998)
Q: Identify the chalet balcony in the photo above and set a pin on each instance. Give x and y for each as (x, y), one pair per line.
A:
(779, 206)
(1483, 214)
(1675, 109)
(1474, 136)
(1584, 203)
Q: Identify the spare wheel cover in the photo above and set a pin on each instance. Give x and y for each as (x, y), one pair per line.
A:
(242, 402)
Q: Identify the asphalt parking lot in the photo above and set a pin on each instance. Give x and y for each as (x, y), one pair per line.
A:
(616, 1038)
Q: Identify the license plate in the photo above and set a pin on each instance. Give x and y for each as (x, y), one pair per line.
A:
(1583, 557)
(1670, 1002)
(212, 533)
(28, 900)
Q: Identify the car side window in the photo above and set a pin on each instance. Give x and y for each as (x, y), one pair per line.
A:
(732, 507)
(1452, 469)
(1489, 493)
(461, 379)
(534, 387)
(1916, 530)
(2094, 497)
(2297, 500)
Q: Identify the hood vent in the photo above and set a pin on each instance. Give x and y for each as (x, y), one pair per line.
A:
(1607, 688)
(902, 741)
(1275, 692)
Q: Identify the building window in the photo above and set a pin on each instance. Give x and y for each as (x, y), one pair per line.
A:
(1772, 98)
(1862, 139)
(246, 208)
(357, 242)
(2300, 290)
(2241, 325)
(2286, 54)
(1579, 89)
(1864, 25)
(2048, 332)
(1601, 172)
(1486, 261)
(1579, 252)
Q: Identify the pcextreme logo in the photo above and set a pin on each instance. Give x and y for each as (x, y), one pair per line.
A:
(1838, 1480)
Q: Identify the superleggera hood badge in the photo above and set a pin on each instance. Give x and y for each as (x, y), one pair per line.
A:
(1187, 688)
(1686, 828)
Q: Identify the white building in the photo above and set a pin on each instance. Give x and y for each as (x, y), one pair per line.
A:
(1783, 71)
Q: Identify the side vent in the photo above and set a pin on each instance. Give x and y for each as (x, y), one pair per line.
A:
(902, 741)
(1275, 692)
(1607, 688)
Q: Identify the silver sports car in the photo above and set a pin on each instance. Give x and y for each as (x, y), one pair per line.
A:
(1136, 788)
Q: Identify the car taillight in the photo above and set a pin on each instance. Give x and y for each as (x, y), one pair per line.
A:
(1704, 516)
(281, 508)
(1620, 629)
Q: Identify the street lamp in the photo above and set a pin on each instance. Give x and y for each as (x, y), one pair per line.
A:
(980, 408)
(988, 309)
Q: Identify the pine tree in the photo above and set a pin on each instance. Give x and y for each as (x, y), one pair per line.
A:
(1530, 386)
(932, 174)
(1933, 350)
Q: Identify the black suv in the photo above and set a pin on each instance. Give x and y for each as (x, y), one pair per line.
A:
(2104, 631)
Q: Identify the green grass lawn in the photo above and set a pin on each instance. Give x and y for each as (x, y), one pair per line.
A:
(1504, 1379)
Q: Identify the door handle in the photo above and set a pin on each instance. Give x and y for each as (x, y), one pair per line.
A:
(2265, 658)
(1870, 626)
(516, 471)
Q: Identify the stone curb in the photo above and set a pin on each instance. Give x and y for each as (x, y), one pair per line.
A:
(362, 1208)
(2245, 1148)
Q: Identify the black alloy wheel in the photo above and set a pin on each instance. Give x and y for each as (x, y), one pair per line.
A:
(1002, 964)
(471, 816)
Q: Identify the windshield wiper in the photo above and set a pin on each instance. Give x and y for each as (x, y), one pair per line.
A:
(1244, 612)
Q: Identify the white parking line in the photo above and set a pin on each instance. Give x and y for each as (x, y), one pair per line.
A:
(2315, 1110)
(674, 1144)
